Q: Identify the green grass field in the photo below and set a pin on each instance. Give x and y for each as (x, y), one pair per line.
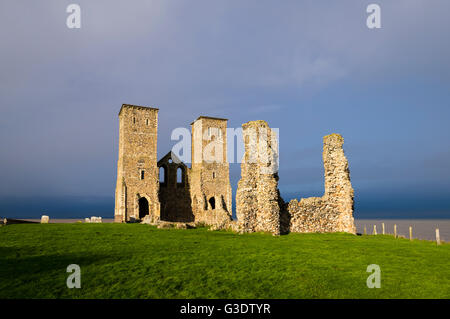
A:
(141, 261)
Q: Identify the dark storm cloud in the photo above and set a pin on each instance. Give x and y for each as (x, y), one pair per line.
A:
(308, 68)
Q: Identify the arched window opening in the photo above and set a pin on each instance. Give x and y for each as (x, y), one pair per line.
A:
(212, 203)
(162, 175)
(180, 178)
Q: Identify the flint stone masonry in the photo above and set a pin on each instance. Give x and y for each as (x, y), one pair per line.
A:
(258, 201)
(201, 195)
(165, 224)
(333, 212)
(209, 177)
(174, 192)
(150, 220)
(137, 172)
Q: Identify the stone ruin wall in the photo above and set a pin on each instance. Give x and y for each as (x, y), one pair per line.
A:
(333, 212)
(217, 216)
(259, 206)
(209, 176)
(258, 201)
(174, 194)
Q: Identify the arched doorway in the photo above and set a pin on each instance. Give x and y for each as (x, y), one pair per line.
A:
(143, 207)
(212, 202)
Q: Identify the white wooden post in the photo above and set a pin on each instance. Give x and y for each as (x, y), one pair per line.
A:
(382, 225)
(374, 229)
(438, 238)
(395, 231)
(365, 230)
(410, 232)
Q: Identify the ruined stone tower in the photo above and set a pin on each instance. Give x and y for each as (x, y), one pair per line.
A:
(258, 199)
(137, 172)
(209, 175)
(170, 191)
(333, 212)
(338, 188)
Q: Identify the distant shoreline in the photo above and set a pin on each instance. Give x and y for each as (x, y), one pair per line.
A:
(61, 220)
(234, 217)
(422, 228)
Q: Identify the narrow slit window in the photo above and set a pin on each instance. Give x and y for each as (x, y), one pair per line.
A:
(179, 175)
(142, 174)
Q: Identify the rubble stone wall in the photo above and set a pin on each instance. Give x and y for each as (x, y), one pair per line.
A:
(257, 197)
(174, 190)
(204, 193)
(333, 212)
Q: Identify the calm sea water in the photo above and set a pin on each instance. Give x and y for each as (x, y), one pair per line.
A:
(422, 228)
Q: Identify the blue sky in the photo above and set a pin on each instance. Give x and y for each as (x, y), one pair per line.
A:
(310, 68)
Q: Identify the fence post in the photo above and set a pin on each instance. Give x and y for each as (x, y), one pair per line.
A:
(395, 231)
(438, 238)
(374, 229)
(382, 225)
(365, 230)
(410, 232)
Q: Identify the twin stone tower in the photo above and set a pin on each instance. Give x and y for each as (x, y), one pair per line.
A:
(168, 190)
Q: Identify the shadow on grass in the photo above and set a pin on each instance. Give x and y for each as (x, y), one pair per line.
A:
(44, 275)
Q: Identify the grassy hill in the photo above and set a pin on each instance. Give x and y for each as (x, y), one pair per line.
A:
(141, 261)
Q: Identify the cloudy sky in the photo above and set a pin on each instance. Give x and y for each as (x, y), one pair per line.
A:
(309, 68)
